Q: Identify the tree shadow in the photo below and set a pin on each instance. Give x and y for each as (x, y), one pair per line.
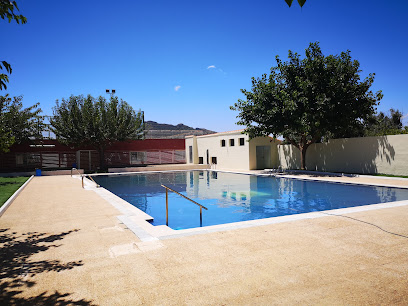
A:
(17, 267)
(351, 155)
(291, 157)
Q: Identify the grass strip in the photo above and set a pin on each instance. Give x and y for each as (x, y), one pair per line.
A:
(390, 175)
(9, 185)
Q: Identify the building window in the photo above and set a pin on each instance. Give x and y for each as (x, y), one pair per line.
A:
(242, 141)
(232, 142)
(223, 143)
(201, 160)
(214, 160)
(190, 154)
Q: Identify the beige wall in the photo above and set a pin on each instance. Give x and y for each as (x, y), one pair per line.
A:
(191, 141)
(235, 157)
(229, 157)
(385, 154)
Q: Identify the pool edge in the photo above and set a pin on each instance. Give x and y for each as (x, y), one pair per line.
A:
(137, 221)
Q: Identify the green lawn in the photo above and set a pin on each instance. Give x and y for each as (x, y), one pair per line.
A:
(9, 185)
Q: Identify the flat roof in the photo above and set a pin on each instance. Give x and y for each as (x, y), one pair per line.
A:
(219, 134)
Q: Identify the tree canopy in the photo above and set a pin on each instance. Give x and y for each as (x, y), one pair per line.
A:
(310, 99)
(382, 124)
(8, 10)
(96, 122)
(18, 124)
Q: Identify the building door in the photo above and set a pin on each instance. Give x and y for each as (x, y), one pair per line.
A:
(208, 157)
(190, 154)
(263, 157)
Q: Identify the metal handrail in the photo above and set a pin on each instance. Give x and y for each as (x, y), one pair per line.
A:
(82, 178)
(76, 170)
(167, 204)
(97, 185)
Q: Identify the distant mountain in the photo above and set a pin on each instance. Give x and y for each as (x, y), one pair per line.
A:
(153, 125)
(163, 130)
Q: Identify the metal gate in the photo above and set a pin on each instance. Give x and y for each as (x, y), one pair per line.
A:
(263, 157)
(88, 159)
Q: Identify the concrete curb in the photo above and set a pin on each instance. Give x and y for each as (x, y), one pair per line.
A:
(14, 196)
(323, 173)
(339, 174)
(317, 179)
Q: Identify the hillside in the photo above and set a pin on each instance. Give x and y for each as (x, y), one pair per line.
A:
(163, 130)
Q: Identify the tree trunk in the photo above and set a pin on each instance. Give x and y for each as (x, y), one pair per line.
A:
(302, 145)
(102, 165)
(303, 157)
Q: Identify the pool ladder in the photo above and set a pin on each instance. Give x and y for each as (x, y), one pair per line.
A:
(167, 204)
(84, 175)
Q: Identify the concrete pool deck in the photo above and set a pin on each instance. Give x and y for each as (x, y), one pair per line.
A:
(64, 244)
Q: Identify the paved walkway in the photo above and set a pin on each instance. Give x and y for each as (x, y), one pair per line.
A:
(62, 244)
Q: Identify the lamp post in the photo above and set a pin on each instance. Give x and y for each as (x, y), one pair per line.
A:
(111, 92)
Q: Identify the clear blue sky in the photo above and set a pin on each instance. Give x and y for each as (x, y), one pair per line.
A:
(186, 61)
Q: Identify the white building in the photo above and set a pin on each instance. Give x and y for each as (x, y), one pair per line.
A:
(232, 151)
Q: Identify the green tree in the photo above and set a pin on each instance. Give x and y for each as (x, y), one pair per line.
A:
(96, 122)
(307, 100)
(18, 124)
(8, 10)
(382, 124)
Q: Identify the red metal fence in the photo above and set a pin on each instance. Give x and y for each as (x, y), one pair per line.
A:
(87, 159)
(50, 154)
(151, 157)
(28, 161)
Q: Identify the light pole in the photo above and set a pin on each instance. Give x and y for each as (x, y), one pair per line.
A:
(111, 92)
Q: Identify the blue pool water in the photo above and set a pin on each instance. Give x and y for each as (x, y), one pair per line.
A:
(232, 197)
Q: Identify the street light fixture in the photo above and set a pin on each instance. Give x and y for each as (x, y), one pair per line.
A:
(111, 92)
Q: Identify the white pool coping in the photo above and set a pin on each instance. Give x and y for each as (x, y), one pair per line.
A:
(138, 221)
(321, 179)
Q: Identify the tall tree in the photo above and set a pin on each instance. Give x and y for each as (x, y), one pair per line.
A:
(307, 100)
(18, 124)
(8, 10)
(382, 124)
(96, 122)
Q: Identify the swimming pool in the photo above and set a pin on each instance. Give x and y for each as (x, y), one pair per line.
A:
(232, 197)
